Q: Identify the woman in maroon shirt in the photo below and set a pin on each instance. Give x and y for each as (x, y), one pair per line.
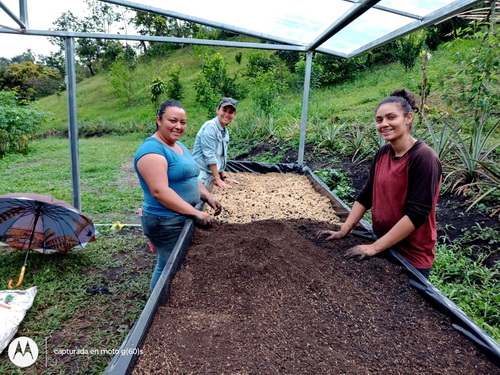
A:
(402, 189)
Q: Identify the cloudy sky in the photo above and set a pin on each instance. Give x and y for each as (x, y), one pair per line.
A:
(41, 14)
(295, 20)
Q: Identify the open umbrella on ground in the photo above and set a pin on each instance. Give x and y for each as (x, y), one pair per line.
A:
(42, 223)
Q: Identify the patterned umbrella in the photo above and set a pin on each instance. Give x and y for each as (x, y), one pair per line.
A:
(42, 223)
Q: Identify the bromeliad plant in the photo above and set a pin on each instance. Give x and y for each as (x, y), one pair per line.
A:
(489, 186)
(470, 154)
(357, 136)
(439, 136)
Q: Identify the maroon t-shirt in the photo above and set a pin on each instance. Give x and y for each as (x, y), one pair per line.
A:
(407, 185)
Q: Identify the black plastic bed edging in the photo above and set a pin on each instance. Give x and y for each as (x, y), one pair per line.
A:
(124, 360)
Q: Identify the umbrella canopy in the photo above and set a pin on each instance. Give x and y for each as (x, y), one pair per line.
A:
(42, 223)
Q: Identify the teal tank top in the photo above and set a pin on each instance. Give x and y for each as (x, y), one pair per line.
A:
(182, 176)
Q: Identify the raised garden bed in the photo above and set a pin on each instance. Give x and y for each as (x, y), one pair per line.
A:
(265, 297)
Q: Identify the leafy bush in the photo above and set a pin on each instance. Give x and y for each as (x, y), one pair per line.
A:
(264, 91)
(475, 86)
(214, 83)
(30, 80)
(335, 70)
(18, 123)
(174, 87)
(409, 47)
(316, 74)
(122, 76)
(338, 181)
(157, 88)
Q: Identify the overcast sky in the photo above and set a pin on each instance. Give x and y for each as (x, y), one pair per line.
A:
(298, 21)
(41, 14)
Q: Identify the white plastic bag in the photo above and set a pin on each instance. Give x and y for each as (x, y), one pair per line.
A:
(13, 307)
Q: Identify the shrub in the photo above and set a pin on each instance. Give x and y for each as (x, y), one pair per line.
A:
(474, 87)
(316, 74)
(409, 47)
(339, 181)
(174, 87)
(19, 123)
(214, 83)
(157, 88)
(122, 78)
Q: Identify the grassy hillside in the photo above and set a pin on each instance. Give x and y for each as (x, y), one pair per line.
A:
(354, 100)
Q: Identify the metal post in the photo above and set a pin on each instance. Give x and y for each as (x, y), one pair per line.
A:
(305, 107)
(72, 120)
(23, 12)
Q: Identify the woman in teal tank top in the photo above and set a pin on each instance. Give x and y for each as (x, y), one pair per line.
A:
(168, 176)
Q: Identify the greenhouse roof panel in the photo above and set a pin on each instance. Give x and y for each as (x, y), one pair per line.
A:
(342, 27)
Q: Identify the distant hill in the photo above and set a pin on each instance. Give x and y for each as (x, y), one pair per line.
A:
(350, 101)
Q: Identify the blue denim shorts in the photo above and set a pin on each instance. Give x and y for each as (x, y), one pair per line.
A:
(162, 231)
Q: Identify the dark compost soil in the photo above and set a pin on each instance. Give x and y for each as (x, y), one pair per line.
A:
(268, 298)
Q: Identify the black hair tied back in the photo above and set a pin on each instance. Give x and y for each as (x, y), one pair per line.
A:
(408, 96)
(168, 103)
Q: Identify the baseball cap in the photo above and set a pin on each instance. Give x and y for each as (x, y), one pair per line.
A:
(228, 101)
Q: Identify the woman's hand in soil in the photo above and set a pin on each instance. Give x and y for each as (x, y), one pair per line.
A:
(215, 204)
(361, 251)
(332, 235)
(221, 184)
(203, 219)
(232, 181)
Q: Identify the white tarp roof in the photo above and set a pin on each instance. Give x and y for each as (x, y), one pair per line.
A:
(339, 27)
(342, 28)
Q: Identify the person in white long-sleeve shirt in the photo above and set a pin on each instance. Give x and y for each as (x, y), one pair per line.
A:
(211, 145)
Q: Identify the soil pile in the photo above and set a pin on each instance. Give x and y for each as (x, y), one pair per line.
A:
(268, 297)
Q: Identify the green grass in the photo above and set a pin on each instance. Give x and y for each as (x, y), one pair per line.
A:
(107, 193)
(65, 316)
(459, 273)
(63, 313)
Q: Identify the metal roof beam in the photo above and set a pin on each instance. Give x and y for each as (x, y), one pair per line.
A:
(439, 15)
(392, 10)
(357, 10)
(201, 21)
(24, 14)
(207, 42)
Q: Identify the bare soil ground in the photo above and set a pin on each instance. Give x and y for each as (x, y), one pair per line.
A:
(267, 297)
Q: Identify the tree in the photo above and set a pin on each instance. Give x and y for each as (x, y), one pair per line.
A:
(147, 23)
(409, 48)
(122, 78)
(27, 55)
(89, 51)
(30, 80)
(213, 83)
(55, 61)
(291, 58)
